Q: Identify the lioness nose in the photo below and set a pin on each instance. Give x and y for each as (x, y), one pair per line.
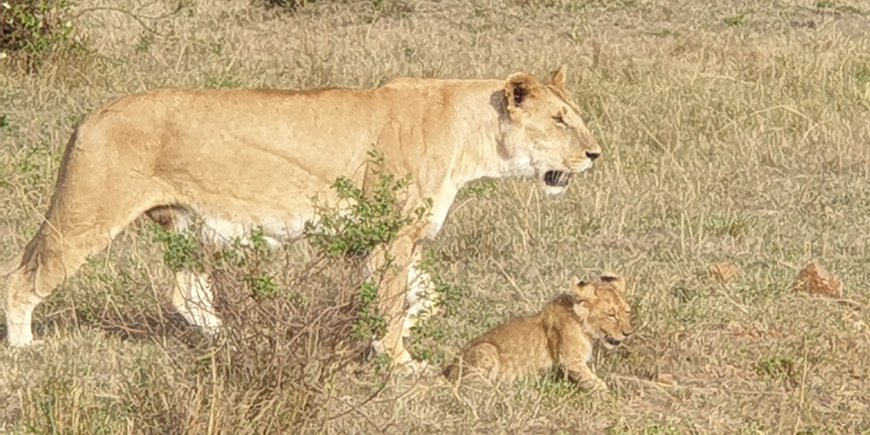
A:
(592, 155)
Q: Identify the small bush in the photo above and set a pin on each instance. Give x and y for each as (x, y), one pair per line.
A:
(372, 220)
(290, 5)
(289, 328)
(34, 26)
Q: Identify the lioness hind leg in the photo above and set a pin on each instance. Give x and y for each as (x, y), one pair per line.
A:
(97, 194)
(193, 297)
(59, 248)
(21, 299)
(192, 294)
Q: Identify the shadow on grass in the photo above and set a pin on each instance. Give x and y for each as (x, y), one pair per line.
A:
(139, 326)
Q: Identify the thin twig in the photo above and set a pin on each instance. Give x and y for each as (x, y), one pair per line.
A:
(368, 399)
(513, 284)
(138, 18)
(728, 297)
(693, 388)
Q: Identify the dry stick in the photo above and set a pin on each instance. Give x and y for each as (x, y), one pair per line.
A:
(461, 205)
(454, 390)
(803, 388)
(658, 385)
(355, 408)
(728, 297)
(362, 414)
(665, 149)
(699, 389)
(513, 284)
(856, 304)
(138, 18)
(765, 110)
(407, 393)
(214, 399)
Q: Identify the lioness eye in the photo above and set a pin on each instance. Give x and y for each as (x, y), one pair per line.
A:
(560, 120)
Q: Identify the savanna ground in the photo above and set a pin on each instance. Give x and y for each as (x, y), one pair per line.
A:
(732, 131)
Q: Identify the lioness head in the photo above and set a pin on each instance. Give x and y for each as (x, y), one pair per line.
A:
(545, 135)
(603, 305)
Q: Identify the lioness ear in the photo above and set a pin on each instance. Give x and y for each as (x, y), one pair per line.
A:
(559, 77)
(519, 88)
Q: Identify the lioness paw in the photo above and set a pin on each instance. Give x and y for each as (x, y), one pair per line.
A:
(32, 344)
(415, 369)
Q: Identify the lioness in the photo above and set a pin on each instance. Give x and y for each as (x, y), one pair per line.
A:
(243, 158)
(561, 334)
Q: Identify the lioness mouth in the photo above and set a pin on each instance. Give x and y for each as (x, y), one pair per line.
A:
(557, 178)
(612, 341)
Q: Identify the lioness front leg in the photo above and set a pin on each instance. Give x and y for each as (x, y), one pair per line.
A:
(421, 297)
(192, 295)
(391, 264)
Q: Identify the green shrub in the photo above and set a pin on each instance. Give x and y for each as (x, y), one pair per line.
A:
(289, 326)
(34, 26)
(372, 220)
(290, 5)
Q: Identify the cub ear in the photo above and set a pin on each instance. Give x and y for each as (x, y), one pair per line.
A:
(519, 88)
(582, 290)
(558, 79)
(613, 278)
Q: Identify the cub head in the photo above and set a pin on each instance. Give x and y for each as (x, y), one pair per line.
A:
(544, 134)
(602, 304)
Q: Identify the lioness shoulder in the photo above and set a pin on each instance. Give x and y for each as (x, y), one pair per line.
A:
(561, 334)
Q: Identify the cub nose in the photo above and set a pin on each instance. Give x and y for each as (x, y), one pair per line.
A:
(592, 155)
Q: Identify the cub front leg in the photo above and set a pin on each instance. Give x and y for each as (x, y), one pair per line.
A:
(574, 358)
(583, 375)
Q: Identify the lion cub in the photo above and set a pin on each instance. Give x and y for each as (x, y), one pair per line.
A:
(562, 334)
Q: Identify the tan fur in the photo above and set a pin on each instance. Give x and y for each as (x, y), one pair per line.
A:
(561, 334)
(239, 158)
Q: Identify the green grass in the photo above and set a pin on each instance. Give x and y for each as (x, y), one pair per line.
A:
(744, 142)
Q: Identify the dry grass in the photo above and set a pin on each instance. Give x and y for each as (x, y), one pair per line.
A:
(733, 131)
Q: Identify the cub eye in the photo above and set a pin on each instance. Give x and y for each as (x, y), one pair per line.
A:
(560, 120)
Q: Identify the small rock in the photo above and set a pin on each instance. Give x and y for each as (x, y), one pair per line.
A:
(815, 280)
(725, 271)
(666, 378)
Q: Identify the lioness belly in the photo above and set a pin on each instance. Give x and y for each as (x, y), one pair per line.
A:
(274, 232)
(228, 228)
